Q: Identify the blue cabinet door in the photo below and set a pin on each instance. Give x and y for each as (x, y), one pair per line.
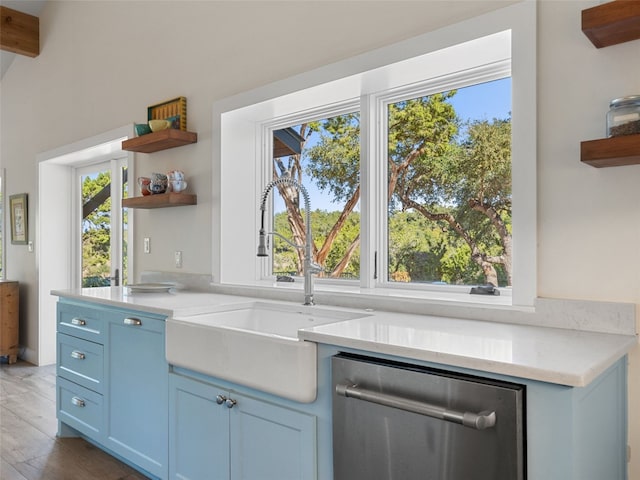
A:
(137, 390)
(271, 442)
(245, 439)
(198, 431)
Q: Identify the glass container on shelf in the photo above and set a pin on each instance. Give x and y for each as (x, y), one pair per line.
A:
(623, 117)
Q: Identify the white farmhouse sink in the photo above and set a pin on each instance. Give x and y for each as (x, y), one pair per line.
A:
(254, 344)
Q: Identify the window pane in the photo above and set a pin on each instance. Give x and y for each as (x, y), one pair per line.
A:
(325, 159)
(125, 228)
(96, 229)
(449, 200)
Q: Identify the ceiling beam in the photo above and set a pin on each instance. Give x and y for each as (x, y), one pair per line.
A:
(19, 32)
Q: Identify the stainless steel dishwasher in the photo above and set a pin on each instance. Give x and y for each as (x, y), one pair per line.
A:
(395, 421)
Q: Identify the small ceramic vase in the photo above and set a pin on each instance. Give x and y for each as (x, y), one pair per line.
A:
(145, 183)
(178, 185)
(159, 183)
(175, 175)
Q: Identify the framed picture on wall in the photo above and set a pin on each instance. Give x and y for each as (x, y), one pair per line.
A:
(19, 219)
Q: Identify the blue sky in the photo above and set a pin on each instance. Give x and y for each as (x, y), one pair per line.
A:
(485, 101)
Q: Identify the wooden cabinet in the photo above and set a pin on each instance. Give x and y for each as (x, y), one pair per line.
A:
(112, 382)
(218, 433)
(9, 319)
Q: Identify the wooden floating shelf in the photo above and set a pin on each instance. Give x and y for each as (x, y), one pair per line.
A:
(162, 140)
(612, 23)
(611, 152)
(161, 200)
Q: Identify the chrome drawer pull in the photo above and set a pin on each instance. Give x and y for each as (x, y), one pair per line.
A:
(78, 355)
(479, 421)
(78, 321)
(133, 321)
(78, 402)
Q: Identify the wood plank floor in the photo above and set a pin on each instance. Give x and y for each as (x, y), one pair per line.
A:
(29, 448)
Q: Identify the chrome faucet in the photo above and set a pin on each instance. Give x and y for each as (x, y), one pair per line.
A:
(309, 267)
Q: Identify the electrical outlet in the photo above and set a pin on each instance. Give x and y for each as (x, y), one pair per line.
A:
(147, 245)
(178, 258)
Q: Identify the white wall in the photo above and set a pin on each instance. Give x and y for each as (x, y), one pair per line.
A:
(103, 62)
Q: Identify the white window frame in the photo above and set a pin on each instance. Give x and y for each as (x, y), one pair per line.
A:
(242, 127)
(380, 103)
(266, 160)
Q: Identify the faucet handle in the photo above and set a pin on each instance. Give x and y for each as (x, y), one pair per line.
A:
(262, 244)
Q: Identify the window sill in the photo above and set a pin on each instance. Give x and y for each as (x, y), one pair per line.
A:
(579, 315)
(418, 302)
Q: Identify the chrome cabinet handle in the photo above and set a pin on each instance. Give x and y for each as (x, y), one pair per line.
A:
(78, 402)
(479, 421)
(228, 402)
(78, 321)
(132, 321)
(78, 355)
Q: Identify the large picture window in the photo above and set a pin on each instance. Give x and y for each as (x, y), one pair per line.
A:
(421, 172)
(448, 197)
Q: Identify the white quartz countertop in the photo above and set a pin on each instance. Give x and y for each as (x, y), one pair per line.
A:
(561, 356)
(172, 304)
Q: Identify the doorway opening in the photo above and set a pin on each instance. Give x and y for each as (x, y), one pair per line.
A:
(57, 222)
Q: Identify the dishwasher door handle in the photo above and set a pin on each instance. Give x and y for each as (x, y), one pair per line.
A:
(479, 421)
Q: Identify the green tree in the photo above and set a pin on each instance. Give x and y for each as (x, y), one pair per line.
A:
(285, 258)
(449, 193)
(474, 179)
(341, 160)
(96, 233)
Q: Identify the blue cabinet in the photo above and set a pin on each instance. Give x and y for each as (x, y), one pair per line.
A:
(216, 432)
(198, 431)
(80, 409)
(114, 387)
(80, 371)
(112, 382)
(137, 399)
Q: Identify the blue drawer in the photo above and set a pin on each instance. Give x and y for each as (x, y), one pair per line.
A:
(81, 321)
(81, 362)
(80, 408)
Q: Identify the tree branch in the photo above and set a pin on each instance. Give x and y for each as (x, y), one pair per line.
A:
(322, 254)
